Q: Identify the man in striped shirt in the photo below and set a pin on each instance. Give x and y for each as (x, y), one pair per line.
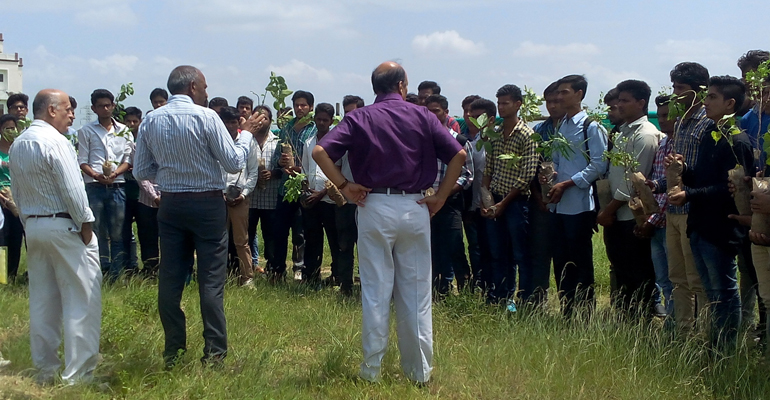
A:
(183, 147)
(62, 252)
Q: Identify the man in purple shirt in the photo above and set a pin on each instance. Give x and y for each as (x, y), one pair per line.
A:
(393, 146)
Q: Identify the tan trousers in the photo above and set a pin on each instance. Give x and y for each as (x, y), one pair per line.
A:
(688, 289)
(761, 257)
(238, 221)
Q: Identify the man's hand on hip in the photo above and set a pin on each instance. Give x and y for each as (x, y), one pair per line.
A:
(86, 233)
(355, 193)
(434, 203)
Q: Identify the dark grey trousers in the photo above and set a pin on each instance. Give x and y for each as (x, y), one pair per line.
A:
(187, 225)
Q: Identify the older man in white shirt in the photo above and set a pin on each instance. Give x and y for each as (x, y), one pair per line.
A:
(104, 155)
(62, 253)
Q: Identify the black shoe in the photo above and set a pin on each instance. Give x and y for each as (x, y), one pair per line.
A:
(659, 311)
(216, 361)
(171, 361)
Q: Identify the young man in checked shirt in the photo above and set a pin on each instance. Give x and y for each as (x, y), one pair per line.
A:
(509, 184)
(447, 226)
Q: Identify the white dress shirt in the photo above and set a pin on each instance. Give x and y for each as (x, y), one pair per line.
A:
(267, 198)
(45, 176)
(183, 147)
(96, 145)
(316, 179)
(246, 179)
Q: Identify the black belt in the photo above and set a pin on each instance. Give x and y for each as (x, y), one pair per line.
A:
(191, 195)
(395, 191)
(57, 215)
(111, 185)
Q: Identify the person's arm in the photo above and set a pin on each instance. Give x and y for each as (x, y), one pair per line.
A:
(352, 191)
(231, 155)
(252, 169)
(453, 170)
(726, 161)
(61, 161)
(145, 167)
(465, 181)
(524, 173)
(597, 165)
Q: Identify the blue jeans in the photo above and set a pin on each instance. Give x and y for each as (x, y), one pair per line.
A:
(719, 273)
(509, 245)
(660, 261)
(109, 206)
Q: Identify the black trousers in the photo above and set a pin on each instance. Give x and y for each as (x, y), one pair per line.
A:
(129, 241)
(634, 271)
(268, 234)
(13, 237)
(189, 225)
(347, 236)
(573, 260)
(147, 230)
(447, 248)
(319, 219)
(286, 218)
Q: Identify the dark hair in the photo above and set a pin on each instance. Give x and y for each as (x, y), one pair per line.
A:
(267, 111)
(551, 89)
(351, 99)
(159, 92)
(412, 98)
(437, 98)
(433, 86)
(387, 82)
(218, 102)
(731, 88)
(611, 95)
(751, 60)
(469, 99)
(576, 82)
(229, 113)
(487, 105)
(8, 117)
(101, 94)
(510, 90)
(325, 108)
(73, 103)
(245, 100)
(662, 100)
(18, 97)
(639, 90)
(301, 94)
(134, 111)
(691, 74)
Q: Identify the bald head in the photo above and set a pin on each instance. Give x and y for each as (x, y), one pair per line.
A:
(53, 106)
(188, 80)
(389, 77)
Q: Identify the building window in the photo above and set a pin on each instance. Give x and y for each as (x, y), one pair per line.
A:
(2, 78)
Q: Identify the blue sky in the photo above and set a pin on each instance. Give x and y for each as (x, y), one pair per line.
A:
(330, 47)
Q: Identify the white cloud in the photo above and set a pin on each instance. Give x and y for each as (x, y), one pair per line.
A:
(701, 50)
(116, 64)
(539, 50)
(301, 72)
(446, 42)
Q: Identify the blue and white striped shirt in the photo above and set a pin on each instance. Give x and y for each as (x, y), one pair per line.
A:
(45, 176)
(182, 145)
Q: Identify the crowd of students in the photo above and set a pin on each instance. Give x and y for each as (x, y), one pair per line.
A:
(674, 263)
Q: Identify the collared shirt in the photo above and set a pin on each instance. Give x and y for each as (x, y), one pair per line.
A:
(466, 178)
(45, 176)
(246, 178)
(182, 146)
(658, 172)
(479, 164)
(97, 145)
(297, 140)
(148, 192)
(640, 139)
(519, 176)
(545, 129)
(687, 137)
(316, 179)
(267, 198)
(578, 166)
(392, 144)
(452, 124)
(749, 123)
(72, 136)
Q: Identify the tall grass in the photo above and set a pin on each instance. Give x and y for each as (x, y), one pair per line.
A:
(289, 342)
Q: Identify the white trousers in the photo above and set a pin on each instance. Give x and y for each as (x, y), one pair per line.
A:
(395, 262)
(64, 289)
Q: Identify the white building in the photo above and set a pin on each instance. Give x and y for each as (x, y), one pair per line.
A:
(10, 76)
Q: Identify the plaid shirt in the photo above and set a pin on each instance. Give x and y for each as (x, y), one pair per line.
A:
(687, 137)
(267, 198)
(520, 175)
(659, 172)
(466, 176)
(297, 140)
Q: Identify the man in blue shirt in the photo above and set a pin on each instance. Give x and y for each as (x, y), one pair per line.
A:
(573, 197)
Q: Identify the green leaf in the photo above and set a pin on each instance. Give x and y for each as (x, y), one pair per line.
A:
(716, 135)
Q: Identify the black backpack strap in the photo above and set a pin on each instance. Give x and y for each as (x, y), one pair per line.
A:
(461, 139)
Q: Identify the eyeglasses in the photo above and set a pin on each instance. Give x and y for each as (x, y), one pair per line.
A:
(17, 108)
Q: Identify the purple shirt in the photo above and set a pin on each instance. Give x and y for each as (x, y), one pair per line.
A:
(392, 144)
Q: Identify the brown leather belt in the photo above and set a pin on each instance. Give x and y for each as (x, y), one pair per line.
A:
(57, 215)
(191, 195)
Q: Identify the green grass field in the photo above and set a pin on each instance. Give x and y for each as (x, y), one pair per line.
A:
(287, 342)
